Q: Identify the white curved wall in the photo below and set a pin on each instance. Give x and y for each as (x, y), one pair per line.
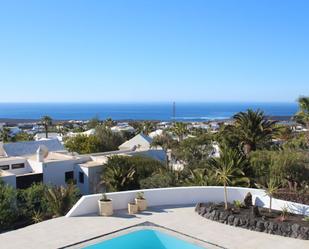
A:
(88, 204)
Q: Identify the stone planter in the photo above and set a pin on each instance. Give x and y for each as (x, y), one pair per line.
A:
(252, 222)
(105, 208)
(141, 203)
(132, 208)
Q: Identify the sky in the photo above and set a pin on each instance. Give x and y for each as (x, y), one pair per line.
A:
(154, 50)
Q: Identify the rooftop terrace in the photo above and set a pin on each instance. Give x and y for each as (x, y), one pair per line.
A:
(62, 232)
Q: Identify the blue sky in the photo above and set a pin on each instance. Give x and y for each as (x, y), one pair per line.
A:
(152, 50)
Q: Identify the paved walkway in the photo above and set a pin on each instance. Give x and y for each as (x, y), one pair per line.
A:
(63, 231)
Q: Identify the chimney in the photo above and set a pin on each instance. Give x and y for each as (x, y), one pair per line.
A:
(40, 154)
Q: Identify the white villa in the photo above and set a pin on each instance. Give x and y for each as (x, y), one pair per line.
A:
(47, 161)
(123, 127)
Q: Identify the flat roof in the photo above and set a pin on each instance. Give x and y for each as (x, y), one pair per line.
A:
(13, 158)
(91, 164)
(52, 156)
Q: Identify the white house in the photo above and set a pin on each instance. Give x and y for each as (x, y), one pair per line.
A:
(85, 133)
(155, 133)
(51, 135)
(123, 127)
(24, 163)
(140, 142)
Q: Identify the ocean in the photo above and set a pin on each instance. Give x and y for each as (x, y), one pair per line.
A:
(139, 111)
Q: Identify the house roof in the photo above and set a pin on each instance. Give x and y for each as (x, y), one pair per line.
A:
(139, 141)
(29, 148)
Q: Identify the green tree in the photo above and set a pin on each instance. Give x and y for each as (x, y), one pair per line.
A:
(180, 130)
(288, 167)
(228, 169)
(23, 136)
(270, 190)
(8, 207)
(61, 199)
(148, 127)
(6, 135)
(158, 180)
(165, 141)
(201, 177)
(194, 151)
(302, 116)
(109, 122)
(116, 178)
(46, 121)
(93, 123)
(253, 130)
(108, 140)
(83, 144)
(126, 173)
(32, 202)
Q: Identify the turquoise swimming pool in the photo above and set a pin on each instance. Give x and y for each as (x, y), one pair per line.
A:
(144, 239)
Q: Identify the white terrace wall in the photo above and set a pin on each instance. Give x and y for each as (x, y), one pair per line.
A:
(88, 204)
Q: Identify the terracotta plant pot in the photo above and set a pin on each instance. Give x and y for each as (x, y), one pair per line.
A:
(106, 208)
(132, 208)
(141, 203)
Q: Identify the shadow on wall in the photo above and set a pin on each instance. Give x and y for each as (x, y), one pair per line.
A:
(295, 208)
(258, 202)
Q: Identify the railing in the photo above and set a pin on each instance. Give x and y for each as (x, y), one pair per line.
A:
(88, 204)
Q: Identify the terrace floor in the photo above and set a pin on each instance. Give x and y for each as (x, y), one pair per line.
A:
(61, 232)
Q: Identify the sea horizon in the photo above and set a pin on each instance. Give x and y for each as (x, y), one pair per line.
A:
(162, 111)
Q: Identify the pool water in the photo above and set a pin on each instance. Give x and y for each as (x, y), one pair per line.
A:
(144, 239)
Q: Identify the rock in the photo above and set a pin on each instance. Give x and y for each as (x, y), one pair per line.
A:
(248, 200)
(245, 222)
(236, 222)
(230, 220)
(202, 211)
(295, 230)
(223, 217)
(304, 232)
(285, 229)
(251, 219)
(279, 229)
(255, 212)
(197, 207)
(266, 223)
(252, 224)
(260, 226)
(272, 227)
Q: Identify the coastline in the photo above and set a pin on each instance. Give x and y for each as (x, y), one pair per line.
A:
(29, 121)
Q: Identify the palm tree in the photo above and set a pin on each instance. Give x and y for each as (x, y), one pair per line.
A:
(253, 129)
(180, 130)
(270, 190)
(46, 121)
(61, 199)
(117, 178)
(200, 177)
(109, 122)
(147, 127)
(302, 116)
(228, 169)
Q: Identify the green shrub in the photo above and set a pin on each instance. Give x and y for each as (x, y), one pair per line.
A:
(8, 207)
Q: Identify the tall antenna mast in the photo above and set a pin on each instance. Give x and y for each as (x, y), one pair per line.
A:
(174, 111)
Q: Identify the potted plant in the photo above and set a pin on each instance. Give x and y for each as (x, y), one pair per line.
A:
(141, 201)
(105, 206)
(132, 208)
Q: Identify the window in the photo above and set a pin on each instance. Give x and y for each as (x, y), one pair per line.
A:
(4, 167)
(69, 176)
(81, 177)
(18, 166)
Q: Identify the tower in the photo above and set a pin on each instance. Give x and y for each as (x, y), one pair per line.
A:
(174, 111)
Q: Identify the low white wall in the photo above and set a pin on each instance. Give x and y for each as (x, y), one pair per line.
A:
(88, 204)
